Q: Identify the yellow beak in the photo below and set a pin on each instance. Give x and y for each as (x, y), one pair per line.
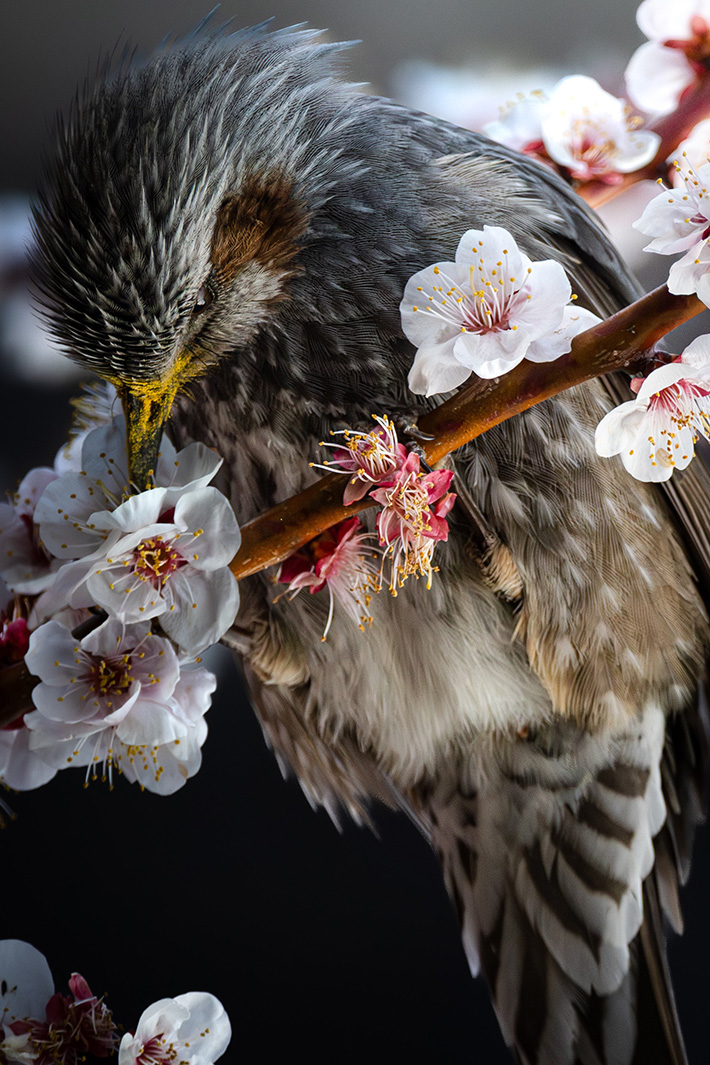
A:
(146, 406)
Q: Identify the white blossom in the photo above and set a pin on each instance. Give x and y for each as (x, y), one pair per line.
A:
(25, 564)
(679, 221)
(520, 124)
(662, 68)
(192, 1028)
(591, 133)
(486, 312)
(26, 983)
(117, 699)
(657, 431)
(691, 154)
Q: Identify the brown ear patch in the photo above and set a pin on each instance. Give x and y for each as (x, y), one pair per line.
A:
(264, 222)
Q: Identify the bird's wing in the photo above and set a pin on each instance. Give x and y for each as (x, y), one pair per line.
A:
(547, 848)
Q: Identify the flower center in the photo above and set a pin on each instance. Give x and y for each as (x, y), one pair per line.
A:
(110, 676)
(411, 502)
(157, 1052)
(155, 559)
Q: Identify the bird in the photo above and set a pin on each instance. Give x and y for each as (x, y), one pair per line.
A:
(224, 232)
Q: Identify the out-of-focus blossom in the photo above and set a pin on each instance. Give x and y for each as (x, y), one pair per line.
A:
(413, 519)
(341, 560)
(580, 127)
(44, 1027)
(25, 564)
(370, 458)
(192, 1028)
(679, 221)
(117, 699)
(676, 53)
(592, 134)
(656, 433)
(691, 154)
(486, 312)
(520, 124)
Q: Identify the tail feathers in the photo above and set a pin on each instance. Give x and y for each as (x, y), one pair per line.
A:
(548, 855)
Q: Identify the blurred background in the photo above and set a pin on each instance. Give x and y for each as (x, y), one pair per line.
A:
(337, 947)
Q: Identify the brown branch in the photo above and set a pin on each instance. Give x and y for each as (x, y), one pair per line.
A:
(693, 106)
(621, 342)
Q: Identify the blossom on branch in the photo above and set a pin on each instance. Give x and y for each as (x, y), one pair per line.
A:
(369, 457)
(581, 128)
(691, 154)
(486, 312)
(678, 219)
(592, 133)
(192, 1028)
(117, 700)
(338, 559)
(676, 53)
(409, 525)
(656, 433)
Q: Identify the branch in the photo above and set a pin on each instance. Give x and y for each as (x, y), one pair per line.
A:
(621, 342)
(693, 106)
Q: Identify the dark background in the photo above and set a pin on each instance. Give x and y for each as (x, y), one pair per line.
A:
(337, 948)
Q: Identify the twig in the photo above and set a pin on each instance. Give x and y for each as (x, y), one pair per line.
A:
(621, 342)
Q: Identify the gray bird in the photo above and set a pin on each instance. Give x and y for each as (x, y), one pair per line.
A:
(225, 233)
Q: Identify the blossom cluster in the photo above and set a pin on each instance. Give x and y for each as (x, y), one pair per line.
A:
(411, 520)
(112, 597)
(42, 1026)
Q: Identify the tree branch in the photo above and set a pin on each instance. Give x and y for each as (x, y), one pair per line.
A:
(621, 342)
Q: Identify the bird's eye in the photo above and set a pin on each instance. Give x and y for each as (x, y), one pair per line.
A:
(203, 300)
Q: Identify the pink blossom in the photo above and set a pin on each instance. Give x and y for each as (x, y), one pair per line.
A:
(370, 457)
(676, 53)
(335, 559)
(408, 525)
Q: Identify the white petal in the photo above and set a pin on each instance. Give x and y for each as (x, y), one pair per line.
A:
(575, 320)
(207, 1014)
(667, 218)
(618, 428)
(52, 654)
(21, 768)
(492, 354)
(203, 607)
(689, 273)
(436, 369)
(660, 378)
(520, 125)
(419, 324)
(656, 77)
(207, 515)
(494, 245)
(27, 977)
(697, 354)
(663, 21)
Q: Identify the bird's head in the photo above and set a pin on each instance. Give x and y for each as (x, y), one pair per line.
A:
(177, 209)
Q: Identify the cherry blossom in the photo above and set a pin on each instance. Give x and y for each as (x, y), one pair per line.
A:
(676, 53)
(192, 1028)
(592, 134)
(408, 525)
(25, 564)
(20, 768)
(679, 221)
(520, 124)
(67, 509)
(117, 699)
(657, 432)
(579, 127)
(486, 312)
(338, 560)
(691, 154)
(370, 457)
(45, 1027)
(160, 559)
